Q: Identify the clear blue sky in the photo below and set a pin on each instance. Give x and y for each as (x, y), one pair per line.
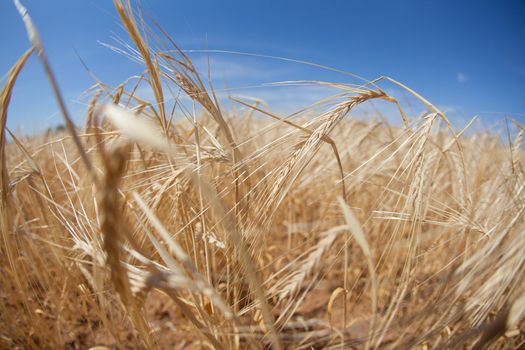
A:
(467, 57)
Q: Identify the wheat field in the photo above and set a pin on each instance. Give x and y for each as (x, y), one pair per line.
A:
(240, 228)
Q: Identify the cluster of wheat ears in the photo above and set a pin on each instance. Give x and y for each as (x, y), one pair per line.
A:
(246, 229)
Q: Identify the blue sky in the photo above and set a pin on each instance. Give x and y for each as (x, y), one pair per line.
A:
(467, 57)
